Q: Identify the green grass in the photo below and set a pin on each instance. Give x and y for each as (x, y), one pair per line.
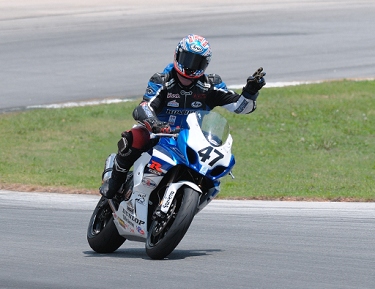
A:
(304, 142)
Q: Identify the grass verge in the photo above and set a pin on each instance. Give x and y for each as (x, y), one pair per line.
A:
(308, 142)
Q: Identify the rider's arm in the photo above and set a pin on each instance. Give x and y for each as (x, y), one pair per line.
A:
(237, 103)
(151, 102)
(244, 103)
(221, 96)
(146, 112)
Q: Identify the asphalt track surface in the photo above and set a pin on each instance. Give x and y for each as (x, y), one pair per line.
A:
(230, 244)
(54, 52)
(58, 51)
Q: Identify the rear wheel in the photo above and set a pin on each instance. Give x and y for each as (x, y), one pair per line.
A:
(102, 234)
(164, 235)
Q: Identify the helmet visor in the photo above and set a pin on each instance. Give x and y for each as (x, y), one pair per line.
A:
(192, 61)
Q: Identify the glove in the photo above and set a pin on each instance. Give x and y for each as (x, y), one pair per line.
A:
(254, 84)
(157, 126)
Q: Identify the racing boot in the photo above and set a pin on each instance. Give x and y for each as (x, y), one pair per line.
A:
(110, 187)
(120, 169)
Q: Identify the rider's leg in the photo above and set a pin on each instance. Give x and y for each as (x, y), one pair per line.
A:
(130, 148)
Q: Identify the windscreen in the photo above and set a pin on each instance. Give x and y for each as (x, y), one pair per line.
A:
(214, 127)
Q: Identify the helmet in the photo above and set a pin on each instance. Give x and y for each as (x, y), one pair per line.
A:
(192, 56)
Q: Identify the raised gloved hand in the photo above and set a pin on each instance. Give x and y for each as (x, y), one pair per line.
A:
(157, 126)
(254, 84)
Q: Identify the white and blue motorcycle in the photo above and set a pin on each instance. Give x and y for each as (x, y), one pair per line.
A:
(168, 186)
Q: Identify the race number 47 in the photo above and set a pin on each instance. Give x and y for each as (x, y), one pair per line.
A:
(211, 155)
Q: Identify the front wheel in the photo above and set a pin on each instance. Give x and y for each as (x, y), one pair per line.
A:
(102, 234)
(164, 236)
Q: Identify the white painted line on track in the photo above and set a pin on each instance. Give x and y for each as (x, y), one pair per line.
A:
(79, 103)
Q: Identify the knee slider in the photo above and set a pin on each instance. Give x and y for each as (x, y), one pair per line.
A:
(125, 143)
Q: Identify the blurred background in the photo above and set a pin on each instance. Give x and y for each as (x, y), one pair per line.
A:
(58, 51)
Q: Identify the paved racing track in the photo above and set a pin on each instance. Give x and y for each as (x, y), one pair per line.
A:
(230, 244)
(57, 51)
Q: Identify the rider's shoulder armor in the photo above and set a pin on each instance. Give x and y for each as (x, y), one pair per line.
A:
(158, 78)
(214, 79)
(161, 78)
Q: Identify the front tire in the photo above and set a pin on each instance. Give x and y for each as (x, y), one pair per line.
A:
(102, 234)
(164, 236)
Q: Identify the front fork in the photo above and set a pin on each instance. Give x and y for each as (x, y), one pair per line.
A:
(112, 206)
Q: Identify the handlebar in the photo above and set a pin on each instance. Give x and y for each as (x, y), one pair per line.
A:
(173, 133)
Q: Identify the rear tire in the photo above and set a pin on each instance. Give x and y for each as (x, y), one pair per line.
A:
(163, 237)
(102, 234)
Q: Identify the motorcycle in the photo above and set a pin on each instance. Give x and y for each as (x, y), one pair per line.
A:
(168, 186)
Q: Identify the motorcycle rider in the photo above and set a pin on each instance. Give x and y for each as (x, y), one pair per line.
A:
(180, 89)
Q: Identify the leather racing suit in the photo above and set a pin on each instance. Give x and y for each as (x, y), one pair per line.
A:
(168, 101)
